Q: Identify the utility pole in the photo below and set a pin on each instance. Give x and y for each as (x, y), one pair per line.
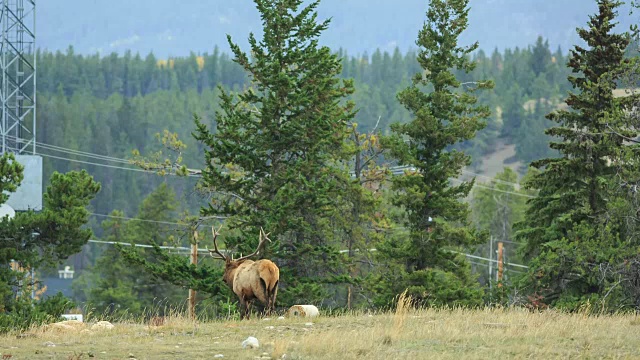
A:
(500, 264)
(490, 261)
(194, 261)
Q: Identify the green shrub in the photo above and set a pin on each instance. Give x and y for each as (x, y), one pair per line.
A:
(26, 313)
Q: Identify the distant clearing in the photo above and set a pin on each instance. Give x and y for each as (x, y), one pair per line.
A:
(424, 334)
(625, 92)
(494, 163)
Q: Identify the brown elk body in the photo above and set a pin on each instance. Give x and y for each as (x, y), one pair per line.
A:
(251, 280)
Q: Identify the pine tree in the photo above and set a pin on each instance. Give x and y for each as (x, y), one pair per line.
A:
(569, 229)
(497, 211)
(540, 56)
(116, 283)
(39, 240)
(110, 286)
(445, 113)
(277, 148)
(531, 141)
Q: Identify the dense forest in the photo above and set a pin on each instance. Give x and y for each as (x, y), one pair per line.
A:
(100, 113)
(113, 105)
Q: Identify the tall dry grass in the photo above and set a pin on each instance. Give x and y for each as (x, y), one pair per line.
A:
(405, 333)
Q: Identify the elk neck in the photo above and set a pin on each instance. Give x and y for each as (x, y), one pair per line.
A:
(230, 269)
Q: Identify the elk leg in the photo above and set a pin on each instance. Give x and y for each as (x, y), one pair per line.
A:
(267, 304)
(272, 301)
(247, 309)
(244, 307)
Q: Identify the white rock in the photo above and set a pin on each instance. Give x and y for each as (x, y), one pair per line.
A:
(100, 325)
(266, 319)
(250, 343)
(303, 311)
(61, 327)
(74, 323)
(218, 356)
(308, 324)
(281, 318)
(270, 327)
(49, 343)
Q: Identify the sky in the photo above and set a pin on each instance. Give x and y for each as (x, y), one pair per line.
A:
(176, 28)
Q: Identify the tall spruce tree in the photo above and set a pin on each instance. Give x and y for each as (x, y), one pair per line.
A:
(445, 113)
(277, 148)
(571, 232)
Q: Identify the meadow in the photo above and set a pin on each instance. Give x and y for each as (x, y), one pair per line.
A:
(402, 334)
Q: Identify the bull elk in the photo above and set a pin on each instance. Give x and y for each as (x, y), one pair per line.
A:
(249, 279)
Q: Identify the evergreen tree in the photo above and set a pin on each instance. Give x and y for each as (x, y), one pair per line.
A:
(540, 56)
(500, 205)
(113, 285)
(570, 234)
(445, 113)
(531, 141)
(513, 113)
(283, 139)
(39, 240)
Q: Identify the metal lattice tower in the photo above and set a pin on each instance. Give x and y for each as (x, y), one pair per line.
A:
(18, 76)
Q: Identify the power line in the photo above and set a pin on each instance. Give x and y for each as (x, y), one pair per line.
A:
(78, 152)
(147, 246)
(125, 161)
(96, 164)
(456, 252)
(95, 156)
(395, 170)
(398, 170)
(491, 179)
(491, 260)
(340, 251)
(154, 221)
(503, 191)
(497, 190)
(487, 265)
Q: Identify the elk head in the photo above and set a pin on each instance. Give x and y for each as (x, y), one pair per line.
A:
(249, 279)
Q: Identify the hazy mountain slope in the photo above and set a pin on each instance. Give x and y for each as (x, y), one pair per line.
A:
(170, 27)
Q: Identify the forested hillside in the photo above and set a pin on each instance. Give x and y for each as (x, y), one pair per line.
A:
(115, 104)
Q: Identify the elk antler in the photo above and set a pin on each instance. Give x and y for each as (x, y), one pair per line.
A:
(215, 245)
(260, 245)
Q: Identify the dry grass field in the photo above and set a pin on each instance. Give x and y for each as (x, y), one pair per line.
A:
(404, 334)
